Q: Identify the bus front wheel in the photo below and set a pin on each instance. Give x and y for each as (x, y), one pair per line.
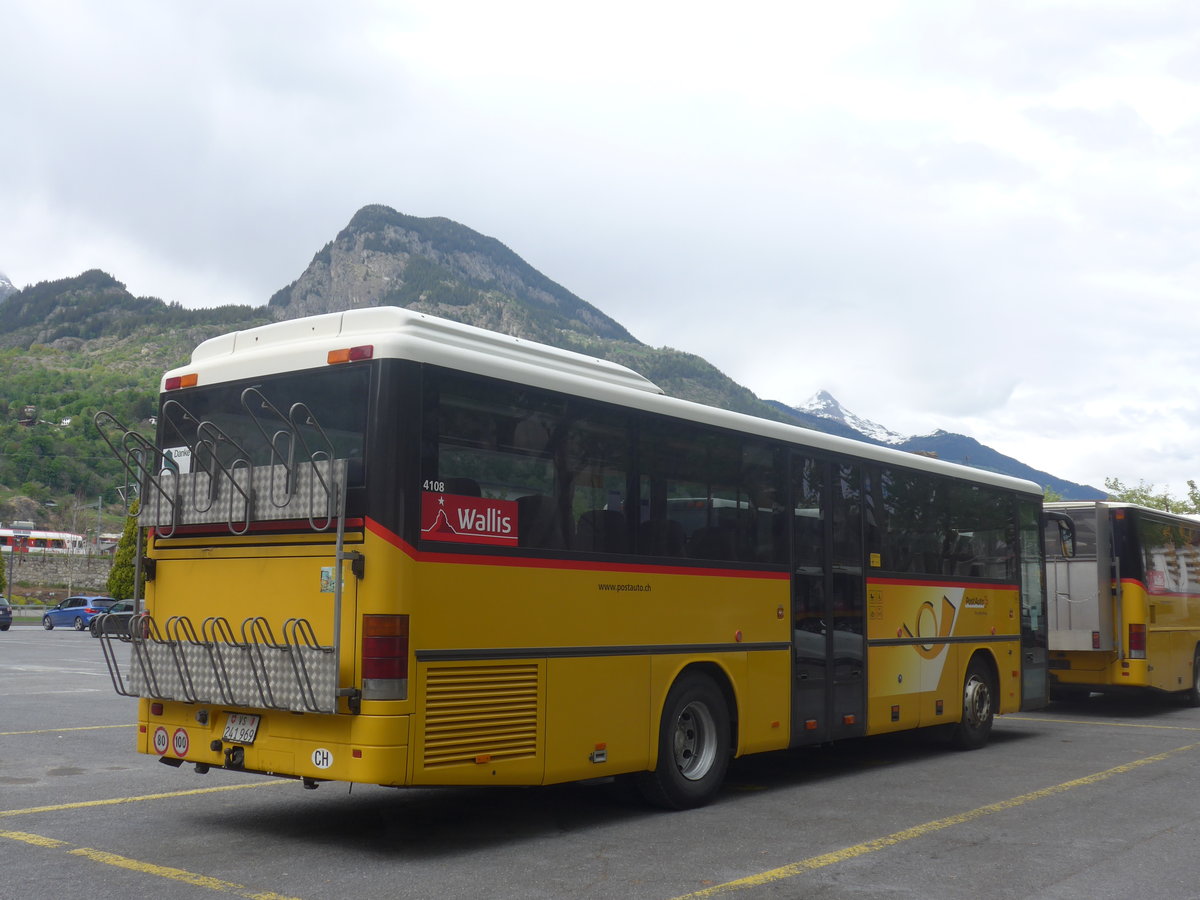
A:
(978, 707)
(693, 745)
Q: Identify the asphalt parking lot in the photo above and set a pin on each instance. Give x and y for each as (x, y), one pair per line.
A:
(1095, 800)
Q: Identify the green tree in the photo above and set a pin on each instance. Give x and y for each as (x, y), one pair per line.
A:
(1144, 494)
(120, 577)
(1050, 495)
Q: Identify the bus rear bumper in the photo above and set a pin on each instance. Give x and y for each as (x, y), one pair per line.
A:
(361, 749)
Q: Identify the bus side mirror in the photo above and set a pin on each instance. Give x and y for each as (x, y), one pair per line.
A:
(1066, 532)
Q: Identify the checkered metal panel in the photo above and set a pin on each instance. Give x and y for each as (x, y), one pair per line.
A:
(258, 494)
(296, 678)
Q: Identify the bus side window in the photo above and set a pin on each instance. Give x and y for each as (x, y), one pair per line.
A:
(602, 531)
(540, 523)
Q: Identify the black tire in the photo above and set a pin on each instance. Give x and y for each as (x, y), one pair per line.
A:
(978, 707)
(79, 623)
(1191, 697)
(693, 746)
(47, 624)
(3, 628)
(94, 627)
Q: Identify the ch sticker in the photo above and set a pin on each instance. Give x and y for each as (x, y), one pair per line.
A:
(933, 627)
(322, 758)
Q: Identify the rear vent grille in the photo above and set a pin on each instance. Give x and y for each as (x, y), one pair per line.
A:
(480, 713)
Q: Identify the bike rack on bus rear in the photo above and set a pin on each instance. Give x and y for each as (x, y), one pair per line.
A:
(216, 664)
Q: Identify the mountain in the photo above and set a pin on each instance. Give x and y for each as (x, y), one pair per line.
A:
(94, 306)
(434, 265)
(70, 347)
(385, 258)
(825, 413)
(825, 406)
(6, 286)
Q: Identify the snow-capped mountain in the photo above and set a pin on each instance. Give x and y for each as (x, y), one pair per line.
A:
(824, 405)
(6, 286)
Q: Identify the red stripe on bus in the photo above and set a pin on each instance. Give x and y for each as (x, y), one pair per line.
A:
(575, 564)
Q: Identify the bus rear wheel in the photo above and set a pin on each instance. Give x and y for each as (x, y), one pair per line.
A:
(978, 707)
(693, 746)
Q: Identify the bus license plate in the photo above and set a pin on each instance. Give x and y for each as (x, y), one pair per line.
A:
(241, 728)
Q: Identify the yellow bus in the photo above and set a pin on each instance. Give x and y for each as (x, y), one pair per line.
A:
(392, 549)
(1125, 610)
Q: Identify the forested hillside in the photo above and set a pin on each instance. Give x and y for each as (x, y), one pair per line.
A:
(69, 348)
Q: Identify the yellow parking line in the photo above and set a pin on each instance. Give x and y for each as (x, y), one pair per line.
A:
(73, 728)
(1011, 718)
(134, 865)
(36, 839)
(116, 800)
(204, 881)
(907, 834)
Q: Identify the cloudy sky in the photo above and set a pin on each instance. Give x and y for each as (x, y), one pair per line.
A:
(975, 216)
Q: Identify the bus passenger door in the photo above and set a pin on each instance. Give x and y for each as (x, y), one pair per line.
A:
(828, 646)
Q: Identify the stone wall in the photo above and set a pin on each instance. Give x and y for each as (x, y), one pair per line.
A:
(59, 572)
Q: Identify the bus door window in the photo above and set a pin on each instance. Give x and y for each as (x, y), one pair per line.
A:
(808, 574)
(847, 576)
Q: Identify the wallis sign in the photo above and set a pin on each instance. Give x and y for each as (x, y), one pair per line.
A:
(468, 520)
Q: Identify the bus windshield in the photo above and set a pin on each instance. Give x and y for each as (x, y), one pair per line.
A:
(319, 413)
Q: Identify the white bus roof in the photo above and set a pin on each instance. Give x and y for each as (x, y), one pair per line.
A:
(396, 333)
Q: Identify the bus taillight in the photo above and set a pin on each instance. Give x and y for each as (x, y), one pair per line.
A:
(1137, 641)
(385, 658)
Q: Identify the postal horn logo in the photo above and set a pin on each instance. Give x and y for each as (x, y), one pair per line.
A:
(932, 626)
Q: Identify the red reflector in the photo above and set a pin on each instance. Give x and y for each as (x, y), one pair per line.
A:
(1137, 641)
(387, 667)
(1095, 640)
(385, 647)
(156, 709)
(350, 354)
(175, 382)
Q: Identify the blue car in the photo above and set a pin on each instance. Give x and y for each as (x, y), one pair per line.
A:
(5, 615)
(77, 611)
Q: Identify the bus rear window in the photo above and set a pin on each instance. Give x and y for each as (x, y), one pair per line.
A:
(319, 412)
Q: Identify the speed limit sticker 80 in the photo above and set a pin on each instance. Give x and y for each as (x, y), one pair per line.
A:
(177, 742)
